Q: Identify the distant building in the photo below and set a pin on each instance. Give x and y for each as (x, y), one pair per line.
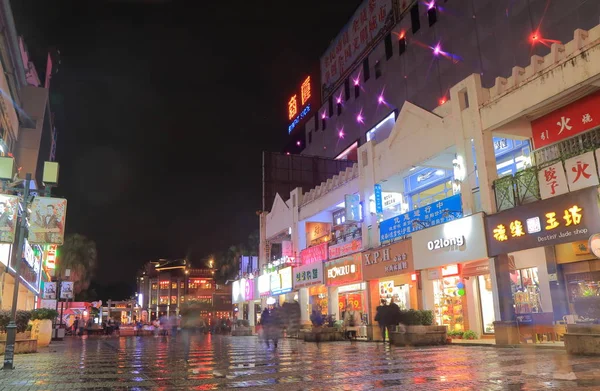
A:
(164, 285)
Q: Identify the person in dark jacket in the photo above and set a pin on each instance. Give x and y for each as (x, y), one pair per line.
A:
(382, 316)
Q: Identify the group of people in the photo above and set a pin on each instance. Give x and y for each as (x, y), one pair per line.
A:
(388, 317)
(274, 319)
(109, 327)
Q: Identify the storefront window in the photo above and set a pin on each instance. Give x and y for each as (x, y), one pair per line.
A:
(182, 285)
(318, 298)
(486, 303)
(584, 293)
(174, 285)
(164, 285)
(431, 195)
(173, 299)
(163, 300)
(153, 301)
(525, 285)
(448, 304)
(154, 286)
(354, 295)
(399, 293)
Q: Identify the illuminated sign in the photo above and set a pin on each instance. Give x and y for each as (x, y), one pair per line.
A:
(307, 275)
(450, 270)
(441, 243)
(343, 271)
(298, 105)
(562, 219)
(264, 284)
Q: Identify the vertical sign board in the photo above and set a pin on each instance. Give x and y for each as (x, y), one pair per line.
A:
(378, 199)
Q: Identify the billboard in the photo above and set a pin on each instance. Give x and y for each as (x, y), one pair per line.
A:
(9, 206)
(47, 220)
(368, 24)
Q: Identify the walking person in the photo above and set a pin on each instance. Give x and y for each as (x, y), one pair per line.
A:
(270, 321)
(351, 322)
(382, 317)
(190, 321)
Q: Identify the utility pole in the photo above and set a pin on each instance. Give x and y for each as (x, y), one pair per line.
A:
(11, 328)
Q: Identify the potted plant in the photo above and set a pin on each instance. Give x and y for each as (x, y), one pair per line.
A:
(417, 329)
(469, 334)
(42, 325)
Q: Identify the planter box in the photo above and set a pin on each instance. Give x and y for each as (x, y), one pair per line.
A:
(20, 336)
(419, 336)
(241, 332)
(506, 333)
(583, 339)
(21, 346)
(322, 334)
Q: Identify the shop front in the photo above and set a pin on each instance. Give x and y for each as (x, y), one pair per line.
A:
(309, 283)
(455, 275)
(245, 298)
(551, 269)
(281, 285)
(390, 275)
(344, 280)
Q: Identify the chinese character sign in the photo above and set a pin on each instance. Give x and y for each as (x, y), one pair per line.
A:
(292, 107)
(567, 121)
(305, 91)
(308, 275)
(553, 181)
(9, 205)
(378, 199)
(47, 220)
(562, 219)
(439, 212)
(581, 171)
(365, 25)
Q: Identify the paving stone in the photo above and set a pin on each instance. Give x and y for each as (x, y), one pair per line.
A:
(148, 363)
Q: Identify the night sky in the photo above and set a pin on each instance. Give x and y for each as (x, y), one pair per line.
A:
(163, 109)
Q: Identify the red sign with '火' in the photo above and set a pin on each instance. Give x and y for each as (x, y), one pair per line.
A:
(567, 121)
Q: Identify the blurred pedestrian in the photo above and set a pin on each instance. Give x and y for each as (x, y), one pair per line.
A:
(351, 322)
(382, 317)
(271, 323)
(190, 321)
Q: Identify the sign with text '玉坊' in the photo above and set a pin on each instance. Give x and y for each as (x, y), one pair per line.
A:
(563, 219)
(439, 212)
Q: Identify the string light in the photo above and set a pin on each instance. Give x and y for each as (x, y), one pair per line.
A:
(359, 118)
(298, 143)
(341, 133)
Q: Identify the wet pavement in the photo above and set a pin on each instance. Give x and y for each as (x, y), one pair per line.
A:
(148, 363)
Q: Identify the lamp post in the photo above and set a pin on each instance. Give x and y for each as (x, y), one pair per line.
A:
(11, 328)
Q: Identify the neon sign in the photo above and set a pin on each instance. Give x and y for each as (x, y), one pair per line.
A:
(571, 216)
(298, 105)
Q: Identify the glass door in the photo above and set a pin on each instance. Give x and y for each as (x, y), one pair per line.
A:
(486, 303)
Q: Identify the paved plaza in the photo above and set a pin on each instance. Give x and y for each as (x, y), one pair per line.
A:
(148, 363)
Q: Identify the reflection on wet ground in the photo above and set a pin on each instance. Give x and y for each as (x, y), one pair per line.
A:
(223, 362)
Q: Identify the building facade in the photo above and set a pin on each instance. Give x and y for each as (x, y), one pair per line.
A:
(165, 285)
(28, 134)
(483, 210)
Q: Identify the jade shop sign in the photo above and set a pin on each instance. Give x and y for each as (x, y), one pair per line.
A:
(563, 219)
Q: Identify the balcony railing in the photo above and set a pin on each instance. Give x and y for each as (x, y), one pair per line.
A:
(520, 189)
(563, 150)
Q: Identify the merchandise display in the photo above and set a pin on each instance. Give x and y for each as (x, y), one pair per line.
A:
(449, 303)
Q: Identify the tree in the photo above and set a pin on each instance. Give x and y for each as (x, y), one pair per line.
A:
(227, 262)
(79, 254)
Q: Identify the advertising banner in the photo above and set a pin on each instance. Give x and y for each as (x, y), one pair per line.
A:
(308, 275)
(388, 260)
(48, 303)
(378, 198)
(437, 213)
(264, 284)
(235, 292)
(343, 271)
(66, 290)
(563, 219)
(553, 181)
(49, 291)
(47, 220)
(9, 206)
(567, 121)
(581, 171)
(352, 209)
(339, 250)
(369, 20)
(314, 254)
(284, 278)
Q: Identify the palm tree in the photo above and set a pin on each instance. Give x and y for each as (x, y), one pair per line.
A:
(79, 254)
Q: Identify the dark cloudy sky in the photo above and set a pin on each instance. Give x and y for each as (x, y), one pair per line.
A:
(163, 108)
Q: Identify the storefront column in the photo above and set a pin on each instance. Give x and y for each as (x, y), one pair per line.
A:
(505, 298)
(560, 305)
(251, 313)
(333, 302)
(303, 299)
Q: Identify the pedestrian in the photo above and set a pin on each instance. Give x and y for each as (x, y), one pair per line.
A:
(351, 322)
(81, 326)
(75, 325)
(270, 320)
(190, 320)
(393, 315)
(173, 322)
(382, 317)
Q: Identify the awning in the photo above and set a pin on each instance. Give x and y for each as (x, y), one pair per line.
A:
(476, 268)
